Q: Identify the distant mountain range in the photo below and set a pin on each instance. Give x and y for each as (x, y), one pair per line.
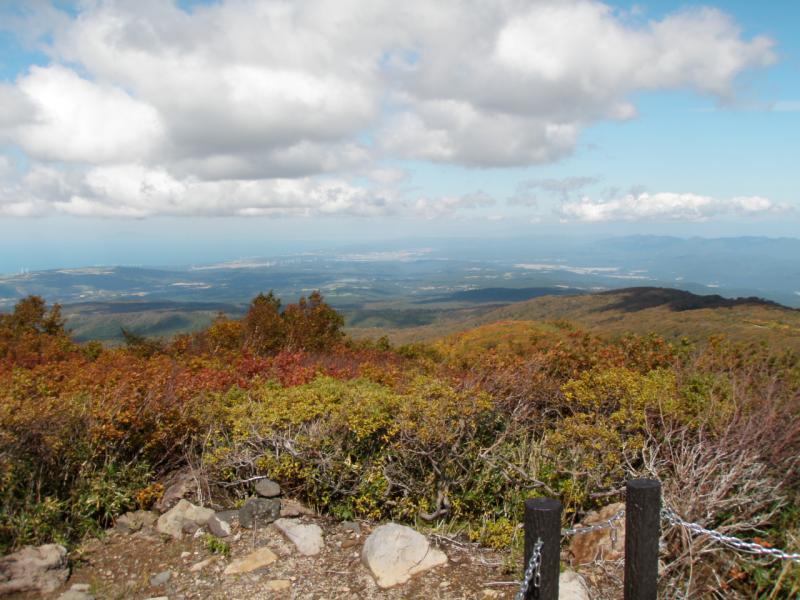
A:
(411, 283)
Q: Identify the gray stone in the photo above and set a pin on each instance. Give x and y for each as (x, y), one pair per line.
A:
(306, 538)
(79, 591)
(394, 553)
(259, 510)
(131, 522)
(227, 515)
(218, 527)
(183, 517)
(178, 486)
(571, 587)
(160, 578)
(351, 526)
(171, 522)
(189, 527)
(267, 488)
(198, 514)
(34, 569)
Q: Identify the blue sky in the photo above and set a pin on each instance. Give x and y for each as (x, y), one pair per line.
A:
(187, 126)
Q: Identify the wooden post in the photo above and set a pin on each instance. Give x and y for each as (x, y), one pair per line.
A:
(543, 521)
(642, 534)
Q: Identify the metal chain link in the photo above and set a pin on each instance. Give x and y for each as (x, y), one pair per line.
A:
(533, 571)
(607, 524)
(732, 542)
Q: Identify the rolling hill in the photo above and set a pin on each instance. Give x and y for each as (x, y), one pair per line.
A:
(668, 312)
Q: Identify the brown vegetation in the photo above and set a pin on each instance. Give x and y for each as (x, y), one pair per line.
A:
(459, 433)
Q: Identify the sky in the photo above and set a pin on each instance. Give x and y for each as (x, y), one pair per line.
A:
(159, 132)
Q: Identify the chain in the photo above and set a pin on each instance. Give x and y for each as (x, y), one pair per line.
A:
(607, 524)
(532, 571)
(732, 542)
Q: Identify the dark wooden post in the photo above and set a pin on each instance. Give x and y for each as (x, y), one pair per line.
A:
(543, 521)
(642, 534)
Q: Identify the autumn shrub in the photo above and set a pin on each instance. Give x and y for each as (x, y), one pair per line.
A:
(359, 448)
(460, 432)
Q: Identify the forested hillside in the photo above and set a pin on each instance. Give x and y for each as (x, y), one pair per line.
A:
(453, 435)
(673, 314)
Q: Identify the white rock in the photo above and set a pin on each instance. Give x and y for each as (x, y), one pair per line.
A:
(171, 522)
(307, 538)
(199, 515)
(394, 553)
(77, 592)
(34, 568)
(571, 586)
(181, 517)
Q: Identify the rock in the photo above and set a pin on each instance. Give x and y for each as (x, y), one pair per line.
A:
(161, 578)
(394, 553)
(278, 585)
(73, 595)
(571, 586)
(259, 510)
(307, 538)
(255, 560)
(171, 522)
(351, 526)
(131, 522)
(199, 514)
(218, 527)
(183, 517)
(292, 508)
(34, 568)
(178, 486)
(228, 515)
(203, 564)
(78, 591)
(599, 545)
(190, 527)
(267, 488)
(349, 544)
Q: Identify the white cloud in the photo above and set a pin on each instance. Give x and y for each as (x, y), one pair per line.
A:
(72, 119)
(152, 110)
(136, 191)
(516, 83)
(665, 206)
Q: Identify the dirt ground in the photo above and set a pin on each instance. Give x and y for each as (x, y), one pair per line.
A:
(121, 566)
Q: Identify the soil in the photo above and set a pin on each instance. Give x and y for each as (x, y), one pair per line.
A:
(120, 566)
